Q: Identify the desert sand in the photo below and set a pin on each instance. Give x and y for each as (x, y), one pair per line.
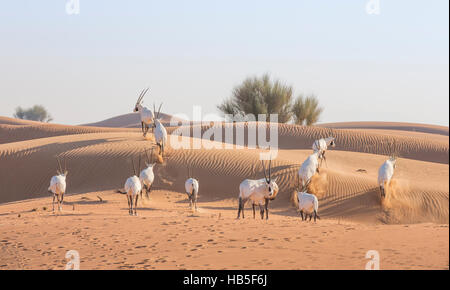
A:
(409, 229)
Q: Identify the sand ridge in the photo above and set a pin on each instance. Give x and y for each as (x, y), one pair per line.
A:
(167, 235)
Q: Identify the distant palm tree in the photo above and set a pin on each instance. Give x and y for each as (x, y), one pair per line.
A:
(306, 111)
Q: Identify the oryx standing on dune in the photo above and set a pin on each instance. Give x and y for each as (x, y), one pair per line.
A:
(133, 188)
(146, 114)
(321, 146)
(385, 174)
(307, 203)
(147, 176)
(58, 185)
(309, 168)
(160, 131)
(259, 192)
(191, 187)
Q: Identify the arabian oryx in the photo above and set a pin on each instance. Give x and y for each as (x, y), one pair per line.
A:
(58, 185)
(307, 203)
(385, 174)
(191, 186)
(321, 146)
(308, 169)
(133, 189)
(258, 192)
(146, 114)
(147, 176)
(160, 131)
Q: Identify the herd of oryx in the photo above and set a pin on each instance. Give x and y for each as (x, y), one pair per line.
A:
(259, 192)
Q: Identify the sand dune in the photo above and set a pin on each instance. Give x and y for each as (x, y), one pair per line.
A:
(398, 126)
(99, 161)
(131, 120)
(102, 161)
(413, 145)
(15, 130)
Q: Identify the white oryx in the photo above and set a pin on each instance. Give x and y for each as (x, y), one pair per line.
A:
(58, 185)
(259, 192)
(385, 174)
(147, 176)
(191, 186)
(308, 169)
(160, 131)
(133, 188)
(146, 114)
(322, 145)
(308, 204)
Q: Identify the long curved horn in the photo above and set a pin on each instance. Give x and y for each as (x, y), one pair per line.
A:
(264, 168)
(306, 185)
(59, 165)
(134, 169)
(159, 110)
(139, 166)
(146, 155)
(270, 169)
(141, 95)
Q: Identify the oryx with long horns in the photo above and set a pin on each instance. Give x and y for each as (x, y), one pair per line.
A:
(133, 188)
(191, 187)
(58, 185)
(259, 192)
(160, 131)
(146, 114)
(307, 203)
(147, 176)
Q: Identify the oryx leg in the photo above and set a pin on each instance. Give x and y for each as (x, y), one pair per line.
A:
(53, 203)
(142, 127)
(266, 205)
(316, 216)
(261, 211)
(253, 206)
(59, 202)
(129, 204)
(135, 203)
(145, 129)
(301, 214)
(241, 207)
(159, 147)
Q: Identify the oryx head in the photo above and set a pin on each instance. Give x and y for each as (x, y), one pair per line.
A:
(156, 115)
(139, 100)
(149, 162)
(136, 172)
(272, 187)
(393, 160)
(60, 171)
(333, 142)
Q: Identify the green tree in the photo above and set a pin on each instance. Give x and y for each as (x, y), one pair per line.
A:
(306, 111)
(260, 96)
(35, 113)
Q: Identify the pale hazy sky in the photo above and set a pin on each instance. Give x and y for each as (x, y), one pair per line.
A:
(83, 68)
